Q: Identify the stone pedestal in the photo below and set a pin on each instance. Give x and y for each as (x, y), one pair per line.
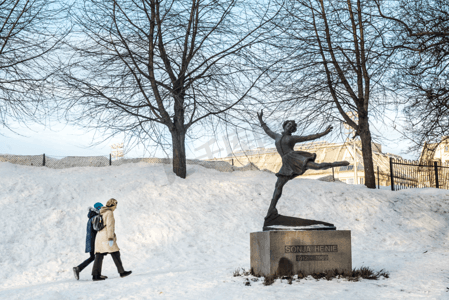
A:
(290, 252)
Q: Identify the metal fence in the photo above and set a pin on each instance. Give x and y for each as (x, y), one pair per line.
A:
(406, 174)
(63, 162)
(57, 162)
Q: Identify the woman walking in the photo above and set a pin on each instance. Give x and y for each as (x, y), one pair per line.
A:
(106, 242)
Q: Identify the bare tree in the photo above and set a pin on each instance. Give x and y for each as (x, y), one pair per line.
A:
(154, 68)
(335, 66)
(29, 31)
(422, 35)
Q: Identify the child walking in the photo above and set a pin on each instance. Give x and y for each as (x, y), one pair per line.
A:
(90, 240)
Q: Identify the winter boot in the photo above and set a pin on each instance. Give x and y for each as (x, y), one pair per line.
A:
(98, 278)
(105, 277)
(126, 273)
(76, 272)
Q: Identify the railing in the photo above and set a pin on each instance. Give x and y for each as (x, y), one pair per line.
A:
(57, 162)
(62, 162)
(406, 174)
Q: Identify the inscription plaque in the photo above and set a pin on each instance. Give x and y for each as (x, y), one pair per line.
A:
(287, 252)
(312, 257)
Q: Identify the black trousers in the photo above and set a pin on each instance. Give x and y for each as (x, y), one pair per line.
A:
(87, 261)
(96, 270)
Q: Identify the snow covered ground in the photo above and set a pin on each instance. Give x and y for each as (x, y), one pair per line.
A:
(183, 239)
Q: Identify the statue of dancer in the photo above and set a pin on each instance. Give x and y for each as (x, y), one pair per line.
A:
(294, 163)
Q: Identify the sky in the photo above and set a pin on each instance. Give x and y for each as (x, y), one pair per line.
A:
(59, 140)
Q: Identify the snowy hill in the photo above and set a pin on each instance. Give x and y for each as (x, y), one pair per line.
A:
(183, 239)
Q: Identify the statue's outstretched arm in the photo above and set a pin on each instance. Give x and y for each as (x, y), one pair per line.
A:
(268, 131)
(297, 138)
(265, 127)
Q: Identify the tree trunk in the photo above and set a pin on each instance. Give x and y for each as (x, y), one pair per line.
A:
(179, 152)
(365, 137)
(178, 131)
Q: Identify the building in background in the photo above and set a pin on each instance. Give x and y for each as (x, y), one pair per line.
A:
(438, 152)
(117, 151)
(268, 158)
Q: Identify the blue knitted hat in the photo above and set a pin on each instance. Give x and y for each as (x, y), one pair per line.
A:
(98, 205)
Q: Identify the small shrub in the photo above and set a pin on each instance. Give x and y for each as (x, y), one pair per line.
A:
(383, 273)
(269, 280)
(367, 273)
(331, 274)
(318, 276)
(354, 275)
(290, 280)
(237, 272)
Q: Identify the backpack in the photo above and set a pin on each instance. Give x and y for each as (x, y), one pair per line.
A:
(97, 223)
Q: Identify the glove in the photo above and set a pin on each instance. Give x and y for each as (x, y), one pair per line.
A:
(111, 243)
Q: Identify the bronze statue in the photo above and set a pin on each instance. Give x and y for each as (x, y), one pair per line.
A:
(294, 163)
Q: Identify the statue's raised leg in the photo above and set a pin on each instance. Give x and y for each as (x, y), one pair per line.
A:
(323, 166)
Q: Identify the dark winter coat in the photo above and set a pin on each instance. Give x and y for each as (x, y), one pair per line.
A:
(91, 233)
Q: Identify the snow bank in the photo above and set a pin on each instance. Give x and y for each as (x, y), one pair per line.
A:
(184, 238)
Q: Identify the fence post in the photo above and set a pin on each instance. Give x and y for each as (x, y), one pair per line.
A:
(43, 160)
(378, 185)
(110, 159)
(391, 174)
(333, 176)
(435, 165)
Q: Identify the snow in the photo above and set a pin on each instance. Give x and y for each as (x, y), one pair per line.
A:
(310, 227)
(184, 238)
